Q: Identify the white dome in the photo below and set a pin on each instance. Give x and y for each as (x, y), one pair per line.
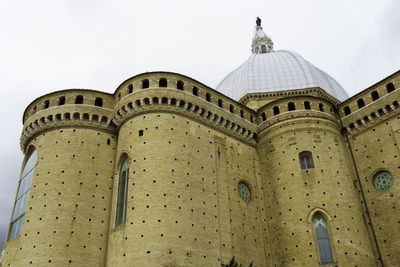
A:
(277, 71)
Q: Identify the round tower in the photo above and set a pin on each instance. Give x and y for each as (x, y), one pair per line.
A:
(61, 213)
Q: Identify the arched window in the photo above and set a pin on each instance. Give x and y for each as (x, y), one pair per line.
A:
(208, 97)
(145, 84)
(291, 106)
(130, 89)
(120, 217)
(390, 87)
(79, 99)
(98, 102)
(346, 110)
(61, 100)
(360, 103)
(322, 236)
(241, 114)
(195, 91)
(263, 116)
(220, 103)
(231, 108)
(321, 107)
(179, 85)
(276, 110)
(306, 160)
(306, 105)
(22, 195)
(375, 95)
(162, 82)
(46, 104)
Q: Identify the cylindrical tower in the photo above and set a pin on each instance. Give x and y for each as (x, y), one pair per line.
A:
(313, 210)
(64, 219)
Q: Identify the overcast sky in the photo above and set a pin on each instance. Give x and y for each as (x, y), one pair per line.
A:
(97, 44)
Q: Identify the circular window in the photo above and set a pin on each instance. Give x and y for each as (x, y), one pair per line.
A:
(383, 181)
(244, 191)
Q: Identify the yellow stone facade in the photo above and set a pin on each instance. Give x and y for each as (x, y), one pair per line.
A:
(189, 146)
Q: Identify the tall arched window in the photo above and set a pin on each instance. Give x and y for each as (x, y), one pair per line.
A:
(390, 87)
(291, 106)
(322, 236)
(22, 195)
(61, 100)
(306, 160)
(98, 102)
(179, 85)
(346, 110)
(120, 217)
(162, 82)
(375, 95)
(360, 103)
(79, 99)
(145, 84)
(306, 105)
(276, 110)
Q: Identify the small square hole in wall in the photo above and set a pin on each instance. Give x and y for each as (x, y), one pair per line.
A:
(140, 132)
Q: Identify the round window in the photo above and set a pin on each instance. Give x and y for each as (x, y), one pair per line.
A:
(244, 191)
(383, 181)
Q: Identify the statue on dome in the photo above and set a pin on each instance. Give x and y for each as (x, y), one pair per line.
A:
(258, 21)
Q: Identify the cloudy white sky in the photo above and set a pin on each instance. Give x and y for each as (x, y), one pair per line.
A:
(48, 45)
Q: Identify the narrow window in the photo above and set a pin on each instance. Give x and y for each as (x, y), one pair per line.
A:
(61, 101)
(145, 84)
(306, 160)
(231, 108)
(276, 110)
(390, 87)
(98, 102)
(79, 99)
(322, 235)
(346, 110)
(120, 217)
(130, 89)
(208, 97)
(251, 119)
(307, 105)
(162, 82)
(263, 49)
(241, 114)
(263, 116)
(46, 104)
(374, 95)
(140, 132)
(22, 196)
(195, 91)
(179, 85)
(220, 103)
(321, 107)
(360, 103)
(291, 106)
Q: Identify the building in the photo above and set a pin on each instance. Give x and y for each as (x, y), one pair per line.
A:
(276, 166)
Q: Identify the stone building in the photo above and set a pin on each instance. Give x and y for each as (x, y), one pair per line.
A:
(276, 166)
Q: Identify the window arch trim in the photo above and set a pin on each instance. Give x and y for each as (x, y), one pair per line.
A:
(122, 190)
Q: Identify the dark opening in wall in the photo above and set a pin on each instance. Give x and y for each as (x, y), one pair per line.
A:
(79, 99)
(346, 110)
(61, 100)
(375, 95)
(220, 103)
(241, 114)
(306, 160)
(360, 103)
(307, 105)
(98, 102)
(163, 82)
(46, 104)
(251, 119)
(195, 91)
(321, 107)
(179, 85)
(263, 116)
(130, 89)
(276, 110)
(231, 108)
(140, 132)
(108, 141)
(291, 106)
(390, 87)
(208, 97)
(145, 84)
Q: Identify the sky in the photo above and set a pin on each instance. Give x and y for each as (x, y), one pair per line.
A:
(49, 45)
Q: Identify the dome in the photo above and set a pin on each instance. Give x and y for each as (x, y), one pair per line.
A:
(267, 70)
